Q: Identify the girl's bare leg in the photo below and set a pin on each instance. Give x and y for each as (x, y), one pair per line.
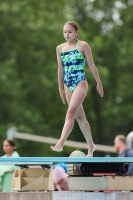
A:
(75, 102)
(85, 128)
(83, 124)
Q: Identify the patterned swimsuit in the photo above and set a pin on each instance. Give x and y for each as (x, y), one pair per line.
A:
(73, 63)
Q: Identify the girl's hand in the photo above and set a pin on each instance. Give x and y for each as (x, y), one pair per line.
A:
(100, 89)
(62, 95)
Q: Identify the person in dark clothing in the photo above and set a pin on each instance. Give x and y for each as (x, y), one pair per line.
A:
(123, 151)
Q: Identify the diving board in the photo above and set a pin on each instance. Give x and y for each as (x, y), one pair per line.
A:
(81, 172)
(51, 160)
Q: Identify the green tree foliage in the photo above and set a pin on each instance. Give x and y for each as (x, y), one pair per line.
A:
(29, 98)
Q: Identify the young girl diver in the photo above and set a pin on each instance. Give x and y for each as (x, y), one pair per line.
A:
(73, 85)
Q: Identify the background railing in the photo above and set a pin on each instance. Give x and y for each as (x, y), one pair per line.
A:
(12, 133)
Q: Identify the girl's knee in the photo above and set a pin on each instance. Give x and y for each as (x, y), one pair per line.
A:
(71, 113)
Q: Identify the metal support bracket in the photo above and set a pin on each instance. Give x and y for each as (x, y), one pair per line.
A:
(33, 179)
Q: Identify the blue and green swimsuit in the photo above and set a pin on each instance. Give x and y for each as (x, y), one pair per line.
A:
(73, 63)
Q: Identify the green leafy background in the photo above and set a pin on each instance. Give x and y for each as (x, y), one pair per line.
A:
(29, 97)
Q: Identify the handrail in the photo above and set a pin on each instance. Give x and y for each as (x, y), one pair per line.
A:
(12, 133)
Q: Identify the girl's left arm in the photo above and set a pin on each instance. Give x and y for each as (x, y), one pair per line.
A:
(89, 58)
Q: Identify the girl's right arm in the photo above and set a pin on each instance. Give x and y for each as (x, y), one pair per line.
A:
(60, 74)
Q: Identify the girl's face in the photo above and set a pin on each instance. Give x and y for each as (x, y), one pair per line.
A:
(8, 149)
(69, 33)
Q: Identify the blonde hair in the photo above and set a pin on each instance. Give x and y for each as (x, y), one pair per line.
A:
(74, 25)
(122, 138)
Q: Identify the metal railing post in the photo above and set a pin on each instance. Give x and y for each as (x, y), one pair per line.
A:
(129, 139)
(11, 133)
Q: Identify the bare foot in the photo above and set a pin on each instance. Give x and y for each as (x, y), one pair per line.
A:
(57, 148)
(90, 151)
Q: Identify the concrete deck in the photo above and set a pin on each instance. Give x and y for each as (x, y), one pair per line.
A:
(67, 196)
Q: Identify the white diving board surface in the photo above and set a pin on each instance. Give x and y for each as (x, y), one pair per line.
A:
(51, 160)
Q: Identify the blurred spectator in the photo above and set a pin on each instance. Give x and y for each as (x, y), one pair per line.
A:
(9, 148)
(121, 147)
(63, 165)
(60, 178)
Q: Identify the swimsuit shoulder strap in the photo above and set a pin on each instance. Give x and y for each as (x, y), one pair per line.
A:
(77, 44)
(79, 50)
